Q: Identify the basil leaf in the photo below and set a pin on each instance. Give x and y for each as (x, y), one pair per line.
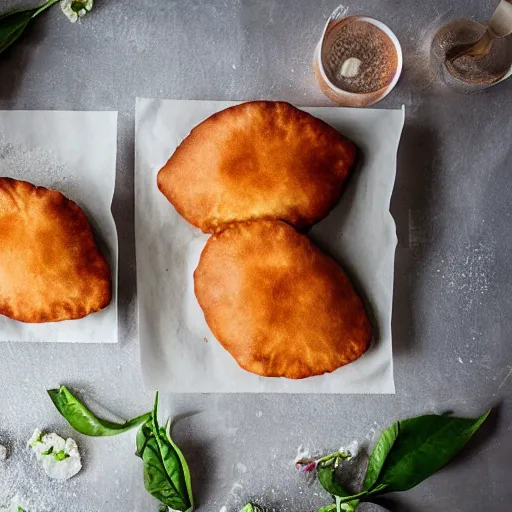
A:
(328, 508)
(379, 454)
(13, 24)
(83, 420)
(251, 508)
(183, 462)
(166, 472)
(423, 446)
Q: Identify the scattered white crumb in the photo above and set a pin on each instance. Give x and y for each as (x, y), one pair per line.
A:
(233, 66)
(460, 360)
(3, 453)
(224, 509)
(60, 458)
(370, 436)
(13, 505)
(259, 414)
(241, 467)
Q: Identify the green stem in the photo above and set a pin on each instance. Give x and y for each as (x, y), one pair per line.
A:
(346, 499)
(45, 6)
(143, 417)
(325, 461)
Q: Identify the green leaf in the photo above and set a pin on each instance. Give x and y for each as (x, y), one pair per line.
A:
(184, 464)
(251, 508)
(379, 454)
(166, 473)
(344, 500)
(84, 421)
(328, 508)
(327, 478)
(423, 446)
(354, 498)
(13, 24)
(20, 509)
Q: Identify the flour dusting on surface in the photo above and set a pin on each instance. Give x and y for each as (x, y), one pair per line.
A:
(24, 484)
(302, 454)
(19, 162)
(241, 467)
(38, 166)
(352, 448)
(468, 273)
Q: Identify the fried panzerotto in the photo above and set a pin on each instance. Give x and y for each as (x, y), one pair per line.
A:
(277, 304)
(50, 266)
(257, 160)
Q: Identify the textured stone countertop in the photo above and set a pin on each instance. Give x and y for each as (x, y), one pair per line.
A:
(452, 320)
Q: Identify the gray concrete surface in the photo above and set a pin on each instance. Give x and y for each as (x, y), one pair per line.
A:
(453, 286)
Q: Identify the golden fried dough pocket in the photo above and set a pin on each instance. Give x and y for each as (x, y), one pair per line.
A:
(50, 266)
(278, 304)
(257, 160)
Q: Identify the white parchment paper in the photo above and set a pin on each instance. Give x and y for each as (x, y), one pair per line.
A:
(178, 351)
(74, 153)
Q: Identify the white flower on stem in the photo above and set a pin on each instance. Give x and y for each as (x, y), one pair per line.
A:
(75, 9)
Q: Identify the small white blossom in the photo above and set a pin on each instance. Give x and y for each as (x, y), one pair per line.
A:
(75, 9)
(61, 459)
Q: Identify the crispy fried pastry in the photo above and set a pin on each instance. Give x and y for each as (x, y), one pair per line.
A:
(50, 266)
(279, 305)
(257, 160)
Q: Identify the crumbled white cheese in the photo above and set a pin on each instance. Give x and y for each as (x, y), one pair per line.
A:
(13, 506)
(61, 459)
(3, 453)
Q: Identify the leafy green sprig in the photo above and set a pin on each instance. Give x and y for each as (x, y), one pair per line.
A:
(166, 472)
(14, 23)
(407, 453)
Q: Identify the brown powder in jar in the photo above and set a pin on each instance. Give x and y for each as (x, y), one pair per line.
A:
(373, 58)
(486, 69)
